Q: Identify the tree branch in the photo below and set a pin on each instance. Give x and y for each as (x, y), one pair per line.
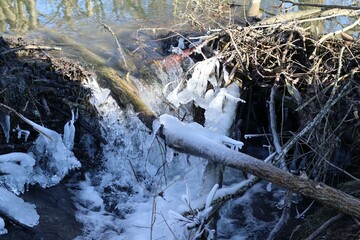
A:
(321, 5)
(175, 135)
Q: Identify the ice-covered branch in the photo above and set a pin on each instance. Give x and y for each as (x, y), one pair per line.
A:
(52, 154)
(183, 138)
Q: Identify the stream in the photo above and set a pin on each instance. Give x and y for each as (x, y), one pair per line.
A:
(136, 180)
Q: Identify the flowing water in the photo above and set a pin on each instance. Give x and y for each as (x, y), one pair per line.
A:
(138, 179)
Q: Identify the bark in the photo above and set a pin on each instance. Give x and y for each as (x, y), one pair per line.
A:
(221, 154)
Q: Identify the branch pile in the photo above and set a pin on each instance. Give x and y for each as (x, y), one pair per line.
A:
(316, 103)
(317, 84)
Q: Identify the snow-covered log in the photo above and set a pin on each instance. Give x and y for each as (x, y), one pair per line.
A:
(184, 138)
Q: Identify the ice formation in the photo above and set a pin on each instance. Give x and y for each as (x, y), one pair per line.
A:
(219, 102)
(47, 164)
(5, 125)
(2, 227)
(54, 158)
(16, 170)
(69, 132)
(14, 206)
(21, 132)
(203, 135)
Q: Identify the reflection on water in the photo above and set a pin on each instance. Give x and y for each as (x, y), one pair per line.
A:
(19, 16)
(80, 20)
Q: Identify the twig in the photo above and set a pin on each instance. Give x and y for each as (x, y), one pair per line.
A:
(325, 226)
(274, 25)
(321, 5)
(275, 136)
(300, 215)
(332, 34)
(30, 47)
(328, 105)
(167, 224)
(119, 48)
(287, 205)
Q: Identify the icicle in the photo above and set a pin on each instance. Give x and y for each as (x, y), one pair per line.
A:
(5, 125)
(169, 155)
(181, 44)
(186, 198)
(211, 195)
(69, 132)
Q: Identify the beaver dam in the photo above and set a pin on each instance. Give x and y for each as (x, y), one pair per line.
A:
(240, 132)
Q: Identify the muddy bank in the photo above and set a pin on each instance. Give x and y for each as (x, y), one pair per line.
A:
(45, 88)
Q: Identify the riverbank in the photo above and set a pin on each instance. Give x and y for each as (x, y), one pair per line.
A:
(45, 88)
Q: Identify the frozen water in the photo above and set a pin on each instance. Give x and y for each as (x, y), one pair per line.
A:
(130, 197)
(16, 169)
(69, 132)
(140, 180)
(2, 227)
(16, 208)
(5, 125)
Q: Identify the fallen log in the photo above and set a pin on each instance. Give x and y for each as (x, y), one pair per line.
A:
(176, 135)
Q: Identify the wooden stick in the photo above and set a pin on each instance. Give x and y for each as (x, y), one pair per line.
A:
(30, 47)
(332, 34)
(320, 5)
(324, 226)
(284, 216)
